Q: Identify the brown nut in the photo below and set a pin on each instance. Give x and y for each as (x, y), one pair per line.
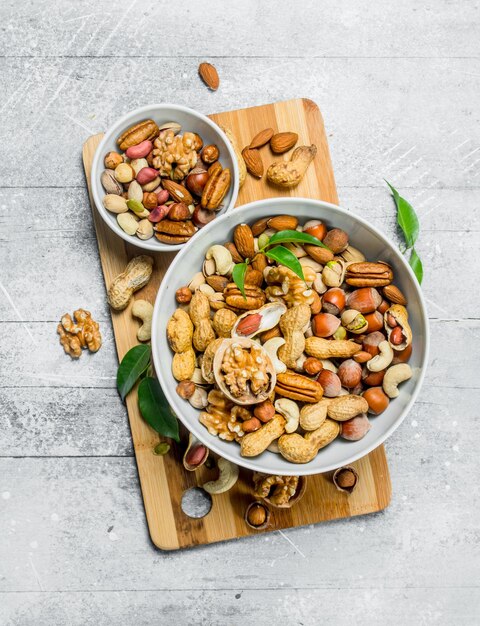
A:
(264, 411)
(350, 373)
(312, 365)
(321, 255)
(377, 400)
(283, 222)
(150, 200)
(186, 389)
(371, 342)
(336, 240)
(183, 295)
(372, 379)
(253, 161)
(356, 428)
(375, 321)
(257, 516)
(210, 154)
(362, 357)
(178, 212)
(244, 241)
(137, 133)
(282, 142)
(364, 300)
(112, 159)
(196, 180)
(260, 226)
(216, 189)
(394, 295)
(345, 479)
(177, 192)
(325, 324)
(366, 274)
(330, 382)
(402, 356)
(261, 138)
(333, 301)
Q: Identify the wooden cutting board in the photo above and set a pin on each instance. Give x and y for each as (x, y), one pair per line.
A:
(163, 479)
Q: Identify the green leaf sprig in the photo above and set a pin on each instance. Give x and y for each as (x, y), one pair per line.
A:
(278, 253)
(408, 221)
(136, 365)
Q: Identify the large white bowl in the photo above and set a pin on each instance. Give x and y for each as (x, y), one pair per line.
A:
(363, 236)
(161, 113)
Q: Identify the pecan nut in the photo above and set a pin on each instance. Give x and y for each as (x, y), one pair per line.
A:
(216, 188)
(368, 274)
(171, 232)
(254, 297)
(297, 387)
(134, 135)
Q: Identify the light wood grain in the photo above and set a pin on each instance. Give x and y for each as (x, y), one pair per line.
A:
(163, 479)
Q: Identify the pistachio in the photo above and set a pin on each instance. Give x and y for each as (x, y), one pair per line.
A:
(128, 223)
(144, 229)
(110, 183)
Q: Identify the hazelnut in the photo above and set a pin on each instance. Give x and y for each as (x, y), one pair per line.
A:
(350, 373)
(355, 428)
(178, 212)
(312, 365)
(330, 382)
(257, 515)
(112, 159)
(333, 300)
(264, 411)
(183, 295)
(196, 180)
(372, 379)
(186, 389)
(383, 307)
(316, 305)
(325, 324)
(402, 356)
(150, 200)
(371, 342)
(315, 228)
(362, 357)
(364, 300)
(210, 154)
(345, 479)
(375, 321)
(377, 400)
(336, 240)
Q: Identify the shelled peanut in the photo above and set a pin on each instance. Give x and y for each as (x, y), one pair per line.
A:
(292, 364)
(163, 182)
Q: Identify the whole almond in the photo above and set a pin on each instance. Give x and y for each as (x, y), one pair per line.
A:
(259, 226)
(244, 241)
(177, 192)
(283, 222)
(209, 75)
(393, 293)
(281, 142)
(253, 161)
(261, 138)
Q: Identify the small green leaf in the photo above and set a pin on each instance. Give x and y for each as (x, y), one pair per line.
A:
(238, 276)
(285, 257)
(133, 365)
(155, 409)
(293, 236)
(416, 265)
(406, 218)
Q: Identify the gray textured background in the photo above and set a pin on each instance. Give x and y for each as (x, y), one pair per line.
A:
(398, 85)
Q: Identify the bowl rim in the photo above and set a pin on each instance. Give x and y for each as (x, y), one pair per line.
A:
(297, 469)
(147, 244)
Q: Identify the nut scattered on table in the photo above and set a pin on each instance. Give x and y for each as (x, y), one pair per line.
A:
(79, 333)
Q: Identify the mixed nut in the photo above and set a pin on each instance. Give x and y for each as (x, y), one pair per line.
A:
(163, 182)
(291, 364)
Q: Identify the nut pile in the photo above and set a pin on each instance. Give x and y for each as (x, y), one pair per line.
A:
(293, 364)
(163, 182)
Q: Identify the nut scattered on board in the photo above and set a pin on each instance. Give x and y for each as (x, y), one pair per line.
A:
(135, 276)
(289, 174)
(282, 142)
(144, 311)
(253, 161)
(274, 372)
(79, 333)
(279, 491)
(261, 138)
(345, 479)
(257, 516)
(209, 75)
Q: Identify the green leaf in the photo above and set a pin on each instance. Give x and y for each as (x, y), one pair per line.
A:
(416, 265)
(155, 409)
(133, 365)
(238, 276)
(293, 236)
(406, 218)
(285, 257)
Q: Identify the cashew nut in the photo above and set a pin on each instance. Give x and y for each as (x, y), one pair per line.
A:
(394, 376)
(290, 411)
(144, 311)
(222, 257)
(199, 398)
(227, 478)
(197, 280)
(271, 347)
(382, 360)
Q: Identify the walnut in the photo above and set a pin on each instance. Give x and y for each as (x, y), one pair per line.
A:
(81, 333)
(293, 290)
(242, 366)
(174, 155)
(278, 489)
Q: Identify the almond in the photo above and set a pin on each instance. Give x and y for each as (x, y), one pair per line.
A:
(253, 161)
(393, 293)
(259, 226)
(281, 142)
(178, 193)
(244, 241)
(261, 138)
(283, 222)
(209, 75)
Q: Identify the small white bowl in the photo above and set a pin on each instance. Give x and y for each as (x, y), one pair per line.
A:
(363, 236)
(161, 113)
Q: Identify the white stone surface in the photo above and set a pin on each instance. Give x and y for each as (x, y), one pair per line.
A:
(398, 86)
